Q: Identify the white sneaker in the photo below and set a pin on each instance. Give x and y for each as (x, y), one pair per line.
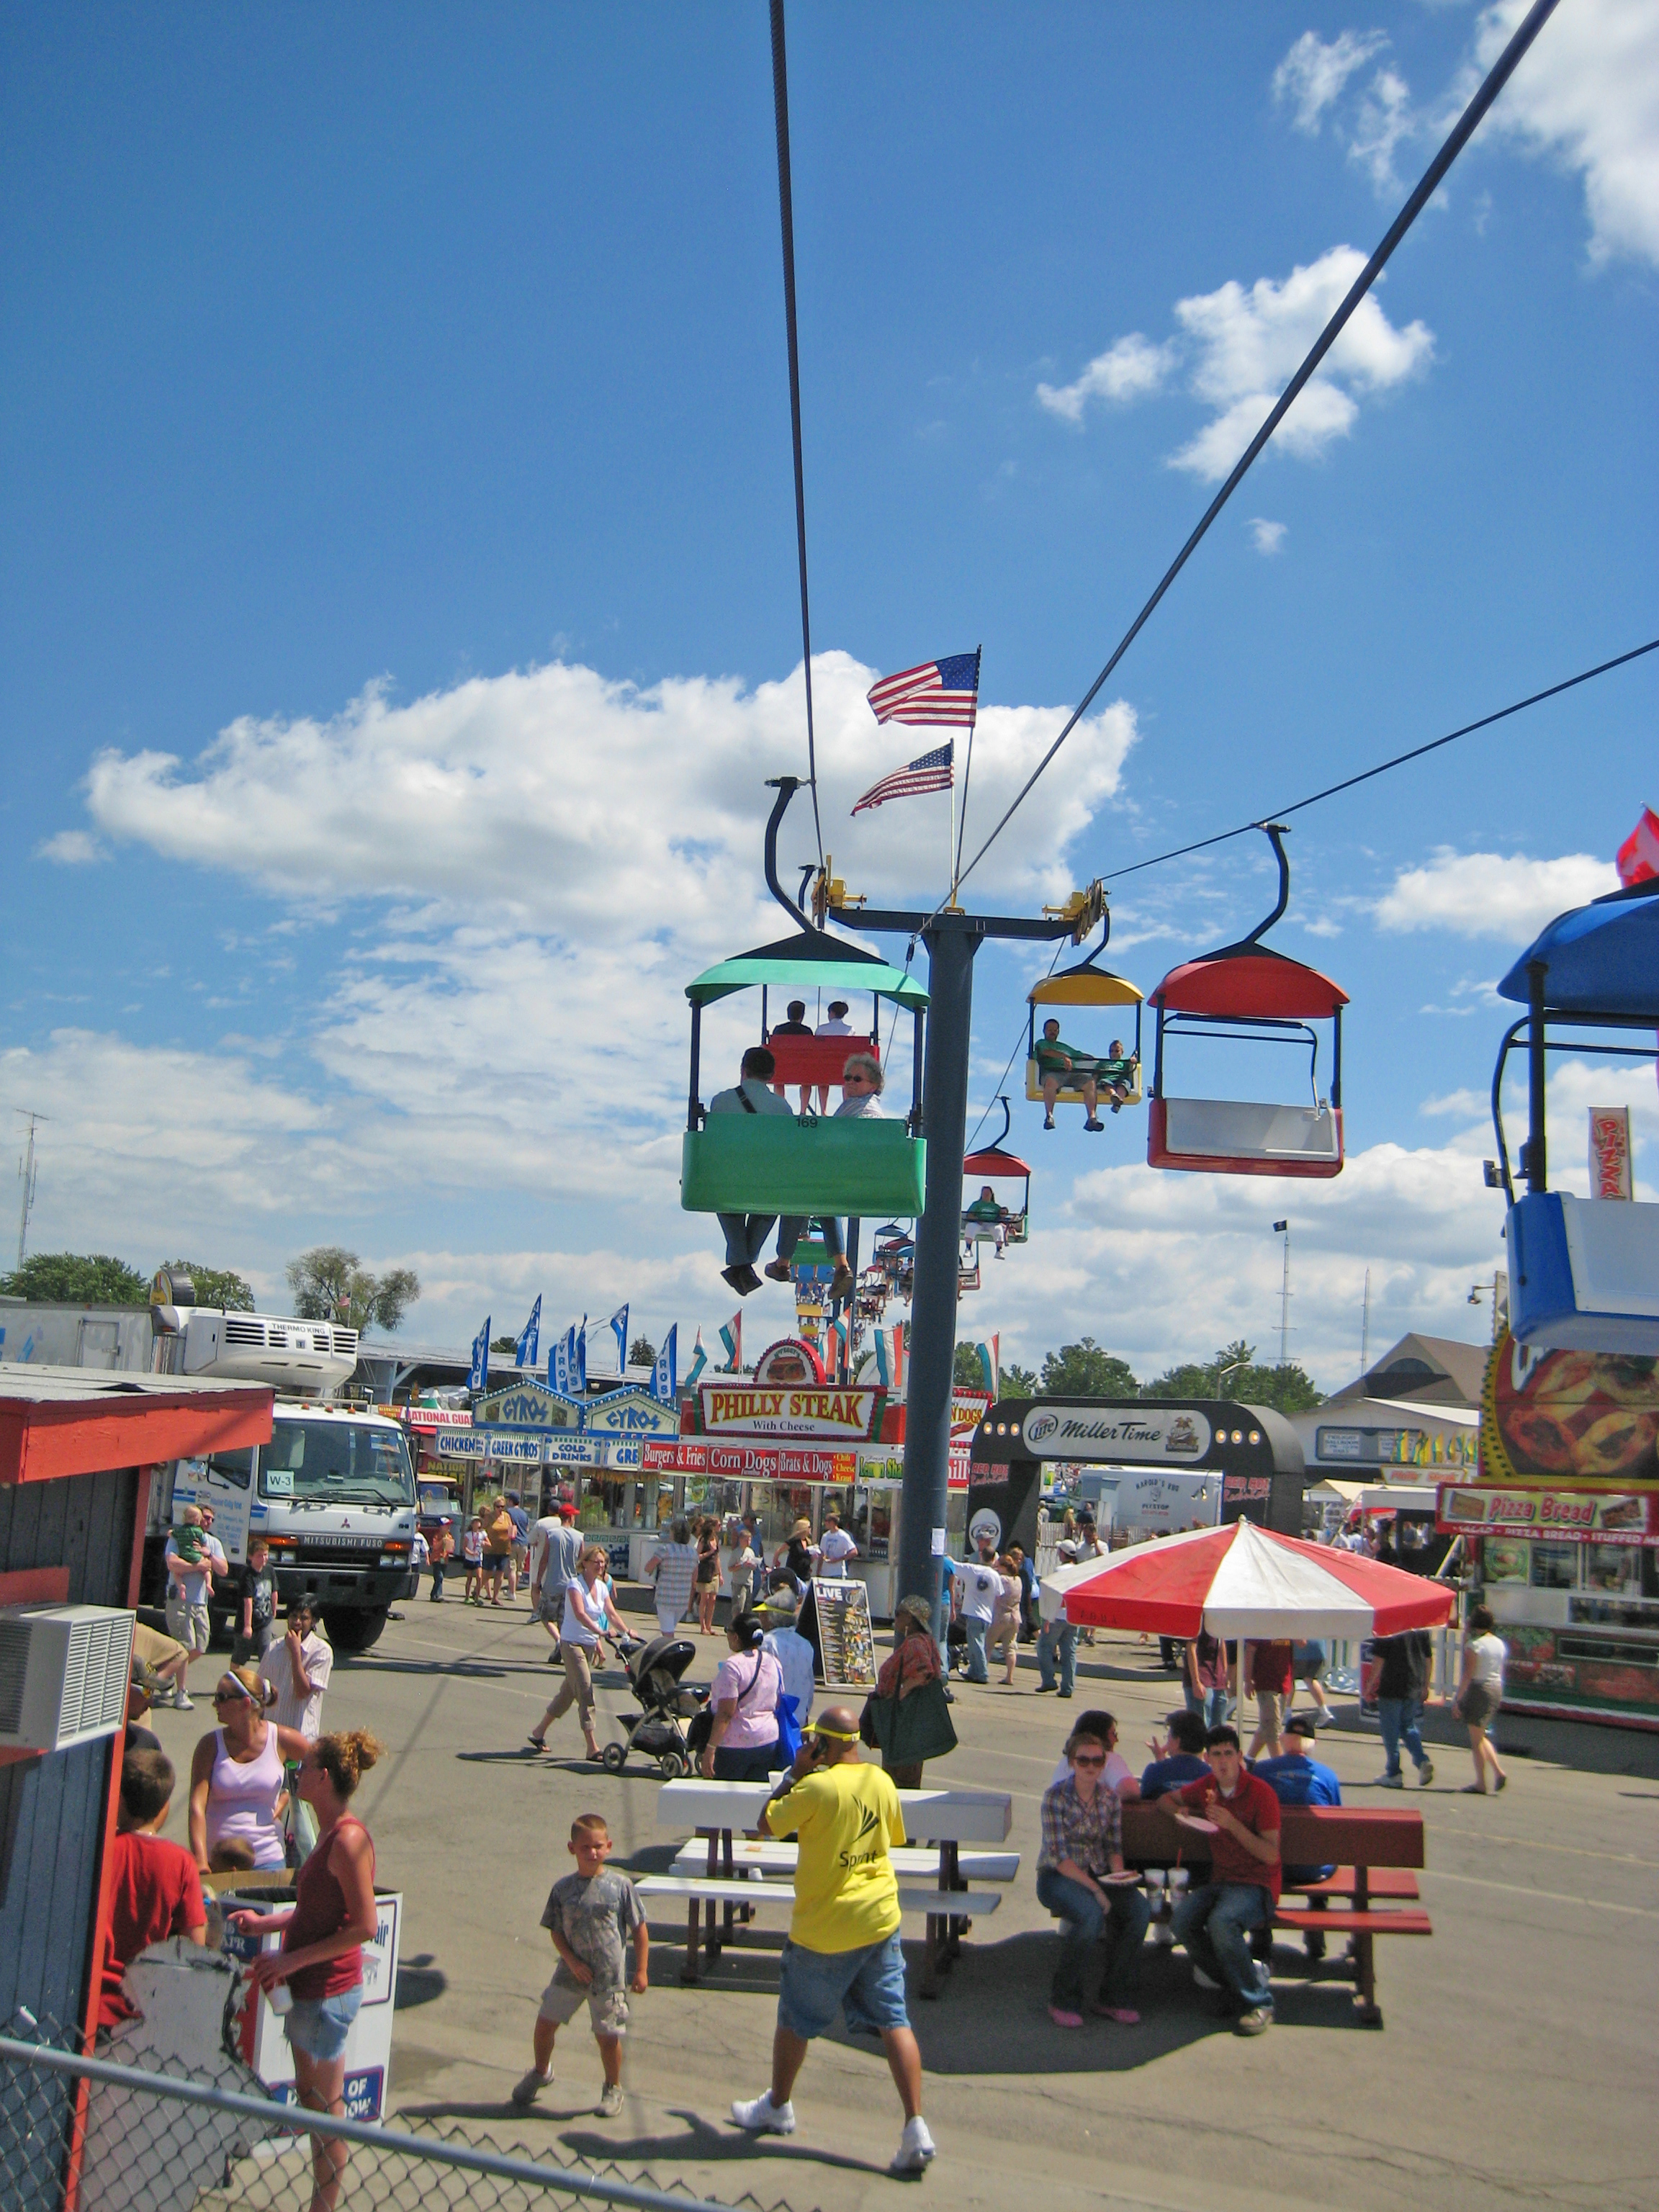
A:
(916, 2148)
(762, 2118)
(526, 2088)
(182, 1703)
(1163, 1934)
(1204, 1980)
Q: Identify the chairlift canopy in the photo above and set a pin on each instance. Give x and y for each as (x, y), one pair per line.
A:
(813, 959)
(1603, 958)
(1257, 985)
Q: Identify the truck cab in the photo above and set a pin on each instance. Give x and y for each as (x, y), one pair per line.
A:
(332, 1493)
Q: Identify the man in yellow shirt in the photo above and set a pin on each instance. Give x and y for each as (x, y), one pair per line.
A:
(843, 1949)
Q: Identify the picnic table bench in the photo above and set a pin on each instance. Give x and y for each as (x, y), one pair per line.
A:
(943, 1819)
(1375, 1851)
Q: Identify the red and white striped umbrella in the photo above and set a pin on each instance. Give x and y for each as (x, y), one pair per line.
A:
(1243, 1581)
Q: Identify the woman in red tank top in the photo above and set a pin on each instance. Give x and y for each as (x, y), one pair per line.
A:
(321, 1960)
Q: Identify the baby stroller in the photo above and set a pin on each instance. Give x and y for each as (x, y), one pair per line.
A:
(653, 1674)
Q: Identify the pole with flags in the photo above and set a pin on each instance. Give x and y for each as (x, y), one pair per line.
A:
(937, 695)
(525, 1351)
(619, 1330)
(478, 1373)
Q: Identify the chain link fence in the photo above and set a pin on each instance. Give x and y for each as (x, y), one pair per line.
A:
(86, 2134)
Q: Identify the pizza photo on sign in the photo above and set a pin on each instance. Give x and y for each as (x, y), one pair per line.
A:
(1570, 1417)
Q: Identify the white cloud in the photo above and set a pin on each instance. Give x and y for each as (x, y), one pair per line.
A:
(1588, 95)
(1243, 345)
(1266, 537)
(549, 797)
(1313, 74)
(1385, 118)
(1127, 370)
(1490, 894)
(1249, 342)
(70, 848)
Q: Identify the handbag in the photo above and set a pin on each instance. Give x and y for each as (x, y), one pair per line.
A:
(909, 1731)
(789, 1730)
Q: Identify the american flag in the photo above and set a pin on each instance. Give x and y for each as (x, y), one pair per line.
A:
(935, 771)
(944, 693)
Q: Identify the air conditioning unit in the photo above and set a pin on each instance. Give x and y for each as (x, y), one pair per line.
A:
(298, 1358)
(63, 1674)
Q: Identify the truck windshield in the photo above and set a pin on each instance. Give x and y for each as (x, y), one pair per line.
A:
(336, 1463)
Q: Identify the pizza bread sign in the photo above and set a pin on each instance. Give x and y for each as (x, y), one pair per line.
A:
(1569, 1419)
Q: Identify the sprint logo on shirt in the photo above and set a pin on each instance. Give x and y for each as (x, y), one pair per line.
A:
(856, 1855)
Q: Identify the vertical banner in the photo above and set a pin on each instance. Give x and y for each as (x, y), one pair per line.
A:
(1609, 1152)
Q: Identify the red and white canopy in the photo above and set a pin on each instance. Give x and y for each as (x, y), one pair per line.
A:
(1240, 1581)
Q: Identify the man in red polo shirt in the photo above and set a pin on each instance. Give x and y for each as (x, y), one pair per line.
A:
(1214, 1923)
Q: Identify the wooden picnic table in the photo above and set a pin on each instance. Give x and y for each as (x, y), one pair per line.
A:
(1356, 1839)
(948, 1817)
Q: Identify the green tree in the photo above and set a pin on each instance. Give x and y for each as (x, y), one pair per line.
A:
(1084, 1370)
(221, 1288)
(641, 1352)
(76, 1279)
(331, 1284)
(1234, 1372)
(1016, 1382)
(497, 1343)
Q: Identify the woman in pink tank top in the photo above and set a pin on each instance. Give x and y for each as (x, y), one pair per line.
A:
(236, 1773)
(321, 1959)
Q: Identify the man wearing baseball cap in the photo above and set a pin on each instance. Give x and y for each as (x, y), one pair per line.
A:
(1297, 1777)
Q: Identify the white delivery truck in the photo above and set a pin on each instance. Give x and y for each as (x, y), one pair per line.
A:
(333, 1491)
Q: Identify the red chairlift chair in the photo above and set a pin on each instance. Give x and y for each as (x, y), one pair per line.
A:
(1248, 992)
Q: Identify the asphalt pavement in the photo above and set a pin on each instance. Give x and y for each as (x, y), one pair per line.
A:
(1514, 2066)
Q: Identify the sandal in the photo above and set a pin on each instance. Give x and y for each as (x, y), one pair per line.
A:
(1474, 1790)
(540, 1741)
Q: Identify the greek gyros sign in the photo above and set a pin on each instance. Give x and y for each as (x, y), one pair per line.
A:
(1171, 1435)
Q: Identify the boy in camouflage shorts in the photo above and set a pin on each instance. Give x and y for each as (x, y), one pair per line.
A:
(590, 1915)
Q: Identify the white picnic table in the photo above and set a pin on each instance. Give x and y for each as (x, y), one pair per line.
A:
(722, 1810)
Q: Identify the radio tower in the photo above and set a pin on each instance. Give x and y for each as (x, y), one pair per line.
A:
(26, 1176)
(1283, 1229)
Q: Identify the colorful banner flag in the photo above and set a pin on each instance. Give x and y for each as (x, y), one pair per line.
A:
(732, 1337)
(579, 1357)
(1638, 856)
(990, 1360)
(619, 1330)
(699, 1361)
(530, 1336)
(663, 1382)
(478, 1373)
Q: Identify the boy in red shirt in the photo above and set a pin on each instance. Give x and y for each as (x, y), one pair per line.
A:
(1214, 1922)
(155, 1891)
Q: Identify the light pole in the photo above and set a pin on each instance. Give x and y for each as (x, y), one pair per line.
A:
(1283, 1229)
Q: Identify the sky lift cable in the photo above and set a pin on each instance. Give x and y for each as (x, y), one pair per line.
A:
(787, 214)
(1461, 132)
(1383, 768)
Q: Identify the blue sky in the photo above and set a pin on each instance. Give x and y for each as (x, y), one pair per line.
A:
(399, 612)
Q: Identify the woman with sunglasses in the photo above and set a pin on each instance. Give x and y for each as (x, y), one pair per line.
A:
(1080, 1880)
(321, 1959)
(236, 1774)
